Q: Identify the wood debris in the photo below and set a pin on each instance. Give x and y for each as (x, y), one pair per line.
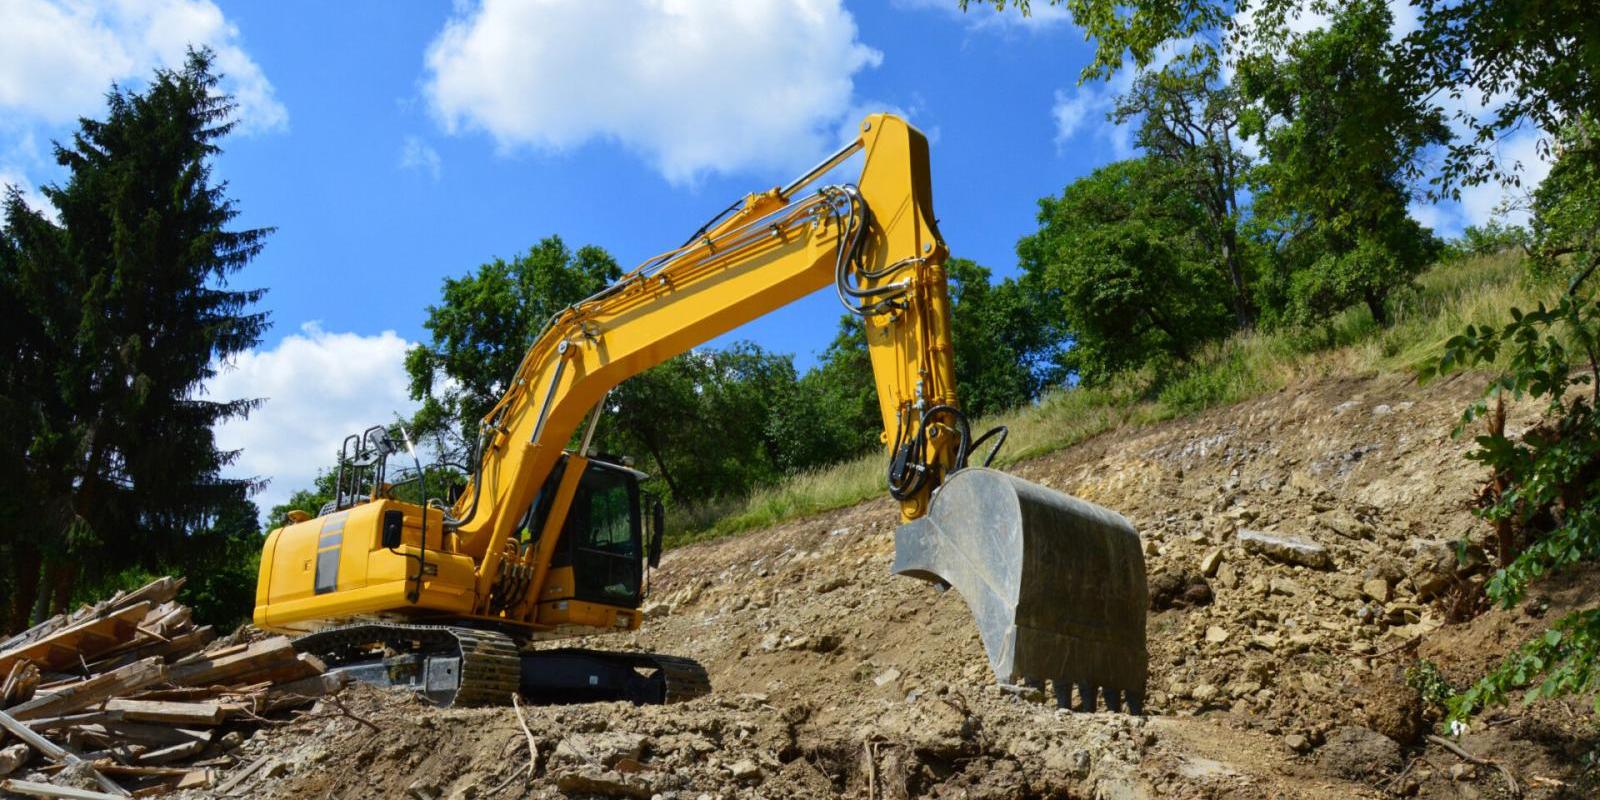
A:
(126, 691)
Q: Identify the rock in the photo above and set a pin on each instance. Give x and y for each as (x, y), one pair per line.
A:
(1204, 693)
(1266, 641)
(604, 749)
(1360, 754)
(745, 770)
(820, 643)
(1216, 634)
(1228, 576)
(887, 678)
(1377, 589)
(1181, 588)
(604, 784)
(1345, 524)
(1440, 564)
(1210, 562)
(1297, 743)
(1285, 586)
(1286, 549)
(831, 584)
(12, 758)
(1391, 707)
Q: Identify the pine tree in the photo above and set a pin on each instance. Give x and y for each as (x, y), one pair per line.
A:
(122, 312)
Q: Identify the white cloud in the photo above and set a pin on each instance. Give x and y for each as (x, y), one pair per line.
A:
(59, 57)
(1081, 113)
(317, 387)
(419, 155)
(693, 86)
(982, 16)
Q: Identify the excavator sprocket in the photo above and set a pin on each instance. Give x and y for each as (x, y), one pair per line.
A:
(1056, 584)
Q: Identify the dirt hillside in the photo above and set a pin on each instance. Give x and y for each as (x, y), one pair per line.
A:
(834, 678)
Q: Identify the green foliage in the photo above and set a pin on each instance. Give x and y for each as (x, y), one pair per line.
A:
(1485, 240)
(1119, 257)
(1007, 347)
(1566, 206)
(1549, 483)
(1343, 127)
(1188, 123)
(1139, 30)
(1424, 677)
(482, 326)
(1537, 60)
(116, 317)
(1240, 367)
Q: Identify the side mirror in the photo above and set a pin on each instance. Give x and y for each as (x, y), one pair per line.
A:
(394, 523)
(658, 526)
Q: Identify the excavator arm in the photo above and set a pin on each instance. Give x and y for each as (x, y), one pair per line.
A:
(876, 242)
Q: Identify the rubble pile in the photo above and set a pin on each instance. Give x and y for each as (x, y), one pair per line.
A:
(129, 696)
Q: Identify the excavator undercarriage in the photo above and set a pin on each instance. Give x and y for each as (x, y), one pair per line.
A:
(456, 666)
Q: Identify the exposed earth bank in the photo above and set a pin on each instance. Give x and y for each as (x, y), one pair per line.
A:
(834, 678)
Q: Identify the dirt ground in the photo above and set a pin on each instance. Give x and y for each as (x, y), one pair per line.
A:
(835, 678)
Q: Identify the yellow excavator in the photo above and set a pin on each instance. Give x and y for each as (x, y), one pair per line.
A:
(546, 540)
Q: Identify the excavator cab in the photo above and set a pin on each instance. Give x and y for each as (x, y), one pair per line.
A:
(605, 540)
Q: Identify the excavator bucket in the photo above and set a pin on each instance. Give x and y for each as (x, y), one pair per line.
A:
(1056, 584)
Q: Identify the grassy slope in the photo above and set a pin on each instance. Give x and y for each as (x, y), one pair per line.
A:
(1446, 299)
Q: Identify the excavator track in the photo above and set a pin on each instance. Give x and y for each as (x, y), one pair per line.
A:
(683, 678)
(489, 670)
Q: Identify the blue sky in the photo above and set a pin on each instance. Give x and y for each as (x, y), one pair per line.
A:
(395, 144)
(364, 240)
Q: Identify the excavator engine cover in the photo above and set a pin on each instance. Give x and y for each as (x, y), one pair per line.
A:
(1056, 584)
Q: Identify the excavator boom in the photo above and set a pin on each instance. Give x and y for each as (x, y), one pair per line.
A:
(1056, 584)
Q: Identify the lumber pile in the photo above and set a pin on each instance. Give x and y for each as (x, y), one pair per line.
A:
(130, 697)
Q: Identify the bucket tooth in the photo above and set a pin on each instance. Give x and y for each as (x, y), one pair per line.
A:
(1055, 584)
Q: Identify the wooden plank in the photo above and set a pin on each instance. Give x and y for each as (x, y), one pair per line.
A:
(21, 683)
(55, 752)
(71, 720)
(221, 652)
(32, 789)
(62, 650)
(113, 768)
(86, 693)
(298, 693)
(302, 666)
(230, 668)
(197, 779)
(177, 752)
(167, 711)
(154, 735)
(183, 644)
(239, 777)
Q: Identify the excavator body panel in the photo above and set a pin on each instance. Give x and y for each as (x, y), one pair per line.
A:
(335, 566)
(1055, 584)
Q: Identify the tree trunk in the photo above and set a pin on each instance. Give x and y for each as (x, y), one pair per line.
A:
(24, 583)
(1241, 295)
(62, 579)
(1380, 314)
(661, 467)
